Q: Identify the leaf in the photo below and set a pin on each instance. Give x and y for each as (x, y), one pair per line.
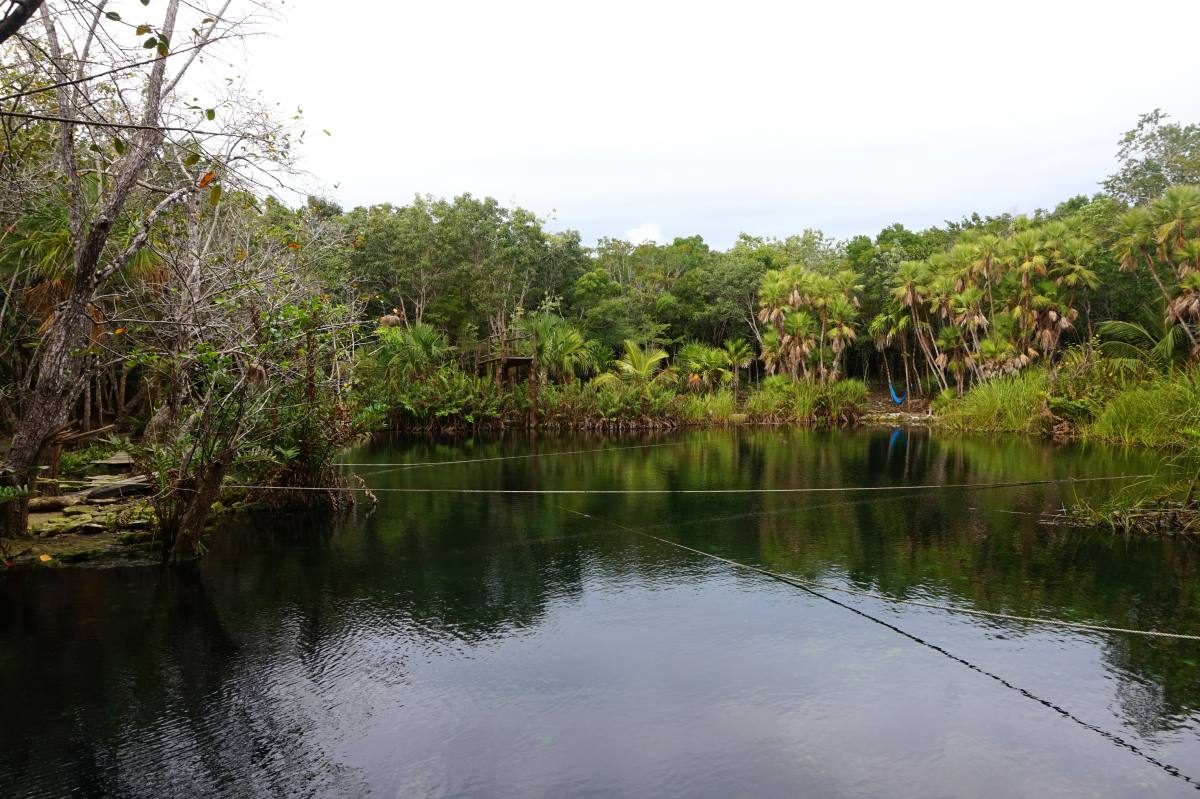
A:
(209, 177)
(210, 114)
(114, 16)
(45, 558)
(143, 29)
(214, 195)
(119, 146)
(292, 245)
(150, 43)
(119, 331)
(191, 159)
(162, 47)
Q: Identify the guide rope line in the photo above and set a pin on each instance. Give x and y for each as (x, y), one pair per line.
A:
(803, 586)
(812, 584)
(806, 490)
(516, 457)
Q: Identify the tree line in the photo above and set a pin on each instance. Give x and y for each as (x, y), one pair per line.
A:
(152, 285)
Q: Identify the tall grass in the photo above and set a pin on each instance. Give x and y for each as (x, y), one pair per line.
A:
(780, 401)
(707, 409)
(1005, 405)
(1165, 413)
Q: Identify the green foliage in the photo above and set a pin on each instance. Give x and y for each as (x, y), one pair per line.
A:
(716, 408)
(638, 367)
(1013, 404)
(1162, 413)
(76, 462)
(1155, 155)
(9, 493)
(778, 400)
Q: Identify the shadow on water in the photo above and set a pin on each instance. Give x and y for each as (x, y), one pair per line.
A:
(405, 649)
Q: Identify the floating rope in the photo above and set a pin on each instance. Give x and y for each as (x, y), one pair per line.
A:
(385, 468)
(818, 490)
(805, 586)
(811, 584)
(394, 466)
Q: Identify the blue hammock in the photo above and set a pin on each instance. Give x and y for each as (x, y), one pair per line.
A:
(895, 399)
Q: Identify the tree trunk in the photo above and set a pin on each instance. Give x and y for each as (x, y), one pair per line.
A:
(192, 498)
(49, 404)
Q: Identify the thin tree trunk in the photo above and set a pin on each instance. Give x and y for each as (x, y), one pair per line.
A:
(51, 400)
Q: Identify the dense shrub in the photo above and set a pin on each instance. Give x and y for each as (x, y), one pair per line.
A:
(1163, 413)
(1014, 404)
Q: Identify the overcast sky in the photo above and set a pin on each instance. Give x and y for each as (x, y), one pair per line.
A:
(656, 118)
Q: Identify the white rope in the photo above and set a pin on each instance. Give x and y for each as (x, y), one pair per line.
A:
(800, 582)
(820, 490)
(517, 457)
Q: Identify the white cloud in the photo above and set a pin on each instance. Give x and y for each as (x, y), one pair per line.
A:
(648, 231)
(717, 117)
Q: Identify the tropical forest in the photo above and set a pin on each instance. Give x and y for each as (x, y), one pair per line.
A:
(435, 495)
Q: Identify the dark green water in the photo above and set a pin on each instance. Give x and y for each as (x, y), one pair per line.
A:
(501, 645)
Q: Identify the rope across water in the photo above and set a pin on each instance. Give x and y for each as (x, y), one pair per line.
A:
(803, 490)
(815, 585)
(815, 589)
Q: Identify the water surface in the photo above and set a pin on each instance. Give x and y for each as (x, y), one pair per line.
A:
(446, 644)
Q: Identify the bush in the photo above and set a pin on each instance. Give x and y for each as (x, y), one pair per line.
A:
(701, 409)
(780, 401)
(1013, 404)
(844, 400)
(1164, 413)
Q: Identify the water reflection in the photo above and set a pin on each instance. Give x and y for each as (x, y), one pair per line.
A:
(503, 645)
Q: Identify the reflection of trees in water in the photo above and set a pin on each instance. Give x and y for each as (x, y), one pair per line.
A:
(172, 680)
(131, 684)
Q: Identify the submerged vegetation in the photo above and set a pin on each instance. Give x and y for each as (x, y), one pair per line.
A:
(150, 288)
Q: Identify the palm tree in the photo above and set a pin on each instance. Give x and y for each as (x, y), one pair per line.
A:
(842, 314)
(410, 354)
(797, 342)
(885, 329)
(639, 367)
(739, 355)
(705, 366)
(561, 347)
(910, 290)
(1024, 255)
(1175, 217)
(772, 351)
(1154, 344)
(1136, 242)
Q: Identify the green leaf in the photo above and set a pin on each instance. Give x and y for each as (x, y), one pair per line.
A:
(162, 47)
(191, 159)
(150, 43)
(210, 114)
(214, 195)
(119, 146)
(114, 16)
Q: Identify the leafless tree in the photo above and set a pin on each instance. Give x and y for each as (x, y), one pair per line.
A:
(137, 106)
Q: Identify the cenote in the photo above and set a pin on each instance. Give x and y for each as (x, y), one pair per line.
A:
(526, 644)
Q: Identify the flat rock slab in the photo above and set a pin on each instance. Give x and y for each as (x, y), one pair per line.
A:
(117, 462)
(100, 488)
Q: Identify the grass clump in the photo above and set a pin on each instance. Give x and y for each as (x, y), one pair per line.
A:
(1165, 413)
(778, 400)
(707, 409)
(1014, 404)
